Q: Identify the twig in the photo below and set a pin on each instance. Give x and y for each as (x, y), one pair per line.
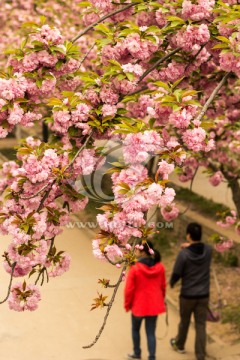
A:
(45, 196)
(109, 306)
(36, 194)
(212, 97)
(90, 27)
(113, 262)
(10, 284)
(154, 66)
(79, 150)
(85, 56)
(41, 272)
(134, 93)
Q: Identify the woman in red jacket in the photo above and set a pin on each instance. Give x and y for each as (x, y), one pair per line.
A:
(144, 295)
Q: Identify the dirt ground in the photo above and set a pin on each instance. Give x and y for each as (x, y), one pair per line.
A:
(228, 280)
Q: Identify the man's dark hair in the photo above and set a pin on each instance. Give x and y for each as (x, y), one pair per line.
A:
(195, 231)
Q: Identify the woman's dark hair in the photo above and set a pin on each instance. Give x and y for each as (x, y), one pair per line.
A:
(149, 246)
(195, 231)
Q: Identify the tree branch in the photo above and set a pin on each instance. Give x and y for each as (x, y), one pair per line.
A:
(154, 66)
(10, 284)
(86, 55)
(36, 194)
(45, 196)
(113, 262)
(109, 306)
(79, 150)
(212, 97)
(90, 27)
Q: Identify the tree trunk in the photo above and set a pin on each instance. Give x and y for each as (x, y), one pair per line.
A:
(235, 188)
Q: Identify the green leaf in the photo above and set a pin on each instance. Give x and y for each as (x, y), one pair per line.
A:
(162, 84)
(124, 185)
(103, 29)
(116, 63)
(23, 43)
(175, 19)
(21, 100)
(39, 83)
(189, 93)
(130, 76)
(220, 46)
(126, 32)
(223, 39)
(151, 122)
(175, 84)
(59, 64)
(58, 49)
(43, 19)
(123, 191)
(54, 101)
(24, 285)
(29, 24)
(84, 4)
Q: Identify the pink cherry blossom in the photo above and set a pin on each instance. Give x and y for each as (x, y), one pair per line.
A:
(21, 298)
(170, 212)
(216, 178)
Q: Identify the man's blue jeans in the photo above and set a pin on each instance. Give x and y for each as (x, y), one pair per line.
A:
(150, 327)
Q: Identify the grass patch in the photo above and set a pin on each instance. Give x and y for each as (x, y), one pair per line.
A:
(164, 241)
(231, 314)
(9, 153)
(228, 258)
(198, 202)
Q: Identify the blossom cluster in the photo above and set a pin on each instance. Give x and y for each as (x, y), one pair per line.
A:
(13, 91)
(134, 194)
(33, 77)
(33, 222)
(24, 297)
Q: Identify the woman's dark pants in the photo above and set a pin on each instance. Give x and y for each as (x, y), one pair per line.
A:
(150, 327)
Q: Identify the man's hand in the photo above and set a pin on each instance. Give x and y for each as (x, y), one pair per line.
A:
(185, 245)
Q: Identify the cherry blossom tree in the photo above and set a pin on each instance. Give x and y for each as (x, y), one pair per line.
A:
(159, 77)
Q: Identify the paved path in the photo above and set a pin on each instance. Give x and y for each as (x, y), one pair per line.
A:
(63, 324)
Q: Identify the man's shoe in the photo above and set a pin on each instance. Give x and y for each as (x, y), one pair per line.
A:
(174, 346)
(133, 356)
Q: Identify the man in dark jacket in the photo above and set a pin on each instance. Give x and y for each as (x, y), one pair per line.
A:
(192, 266)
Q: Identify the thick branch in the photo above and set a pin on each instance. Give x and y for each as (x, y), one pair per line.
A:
(109, 306)
(212, 97)
(90, 27)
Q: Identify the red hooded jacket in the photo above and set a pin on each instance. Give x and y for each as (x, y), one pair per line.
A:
(145, 289)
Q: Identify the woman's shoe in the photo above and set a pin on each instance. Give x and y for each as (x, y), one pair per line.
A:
(133, 356)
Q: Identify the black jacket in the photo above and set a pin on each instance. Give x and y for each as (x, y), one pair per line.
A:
(192, 266)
